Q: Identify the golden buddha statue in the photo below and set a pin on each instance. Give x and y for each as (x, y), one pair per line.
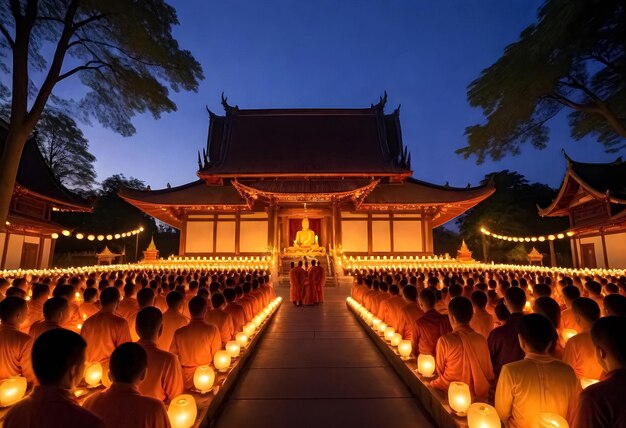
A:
(306, 242)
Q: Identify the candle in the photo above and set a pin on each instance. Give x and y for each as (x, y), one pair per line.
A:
(375, 322)
(404, 349)
(568, 333)
(221, 360)
(12, 390)
(242, 339)
(551, 420)
(203, 379)
(389, 333)
(233, 348)
(397, 338)
(381, 328)
(93, 374)
(182, 411)
(249, 329)
(459, 397)
(426, 365)
(481, 415)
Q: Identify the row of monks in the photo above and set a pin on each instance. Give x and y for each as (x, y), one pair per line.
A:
(149, 330)
(526, 341)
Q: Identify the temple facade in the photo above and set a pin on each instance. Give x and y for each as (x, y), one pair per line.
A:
(593, 197)
(28, 237)
(346, 171)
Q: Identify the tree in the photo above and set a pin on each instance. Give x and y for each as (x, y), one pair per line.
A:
(122, 51)
(573, 58)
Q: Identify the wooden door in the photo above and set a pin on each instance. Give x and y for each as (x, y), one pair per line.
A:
(588, 255)
(29, 256)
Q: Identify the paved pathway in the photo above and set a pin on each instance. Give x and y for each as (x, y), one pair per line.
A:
(315, 367)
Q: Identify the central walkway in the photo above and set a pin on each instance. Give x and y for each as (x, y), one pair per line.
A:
(315, 367)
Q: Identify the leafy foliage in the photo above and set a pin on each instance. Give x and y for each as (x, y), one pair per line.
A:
(574, 57)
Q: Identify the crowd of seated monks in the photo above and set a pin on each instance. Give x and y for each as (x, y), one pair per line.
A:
(527, 342)
(149, 330)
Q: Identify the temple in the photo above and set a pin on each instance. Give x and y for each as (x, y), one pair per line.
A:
(593, 196)
(268, 177)
(28, 238)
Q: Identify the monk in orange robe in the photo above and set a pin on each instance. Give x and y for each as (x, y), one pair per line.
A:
(105, 331)
(316, 277)
(234, 309)
(145, 299)
(164, 377)
(297, 280)
(122, 404)
(255, 305)
(369, 295)
(244, 303)
(259, 293)
(40, 293)
(463, 355)
(570, 293)
(602, 405)
(377, 300)
(90, 304)
(159, 298)
(267, 288)
(128, 306)
(429, 327)
(615, 304)
(482, 321)
(74, 319)
(15, 345)
(538, 383)
(173, 319)
(580, 352)
(221, 319)
(196, 343)
(358, 288)
(56, 312)
(409, 313)
(58, 362)
(390, 308)
(594, 291)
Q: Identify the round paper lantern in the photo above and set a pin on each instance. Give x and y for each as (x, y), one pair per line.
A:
(397, 338)
(459, 397)
(242, 339)
(375, 322)
(405, 348)
(182, 411)
(233, 348)
(12, 390)
(481, 415)
(551, 420)
(426, 365)
(93, 374)
(203, 379)
(568, 333)
(389, 333)
(249, 329)
(221, 360)
(381, 328)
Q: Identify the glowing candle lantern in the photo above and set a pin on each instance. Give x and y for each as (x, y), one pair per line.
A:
(568, 333)
(397, 338)
(381, 328)
(12, 390)
(426, 365)
(203, 379)
(551, 420)
(182, 411)
(404, 349)
(93, 374)
(459, 397)
(375, 322)
(257, 321)
(249, 329)
(584, 382)
(233, 348)
(389, 333)
(221, 361)
(481, 415)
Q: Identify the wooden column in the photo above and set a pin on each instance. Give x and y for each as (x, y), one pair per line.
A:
(237, 232)
(604, 252)
(369, 234)
(552, 254)
(574, 250)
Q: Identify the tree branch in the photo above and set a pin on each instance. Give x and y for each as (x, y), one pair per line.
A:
(7, 36)
(124, 52)
(87, 21)
(591, 107)
(88, 66)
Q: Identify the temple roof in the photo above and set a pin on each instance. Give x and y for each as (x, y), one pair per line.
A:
(600, 180)
(305, 142)
(35, 177)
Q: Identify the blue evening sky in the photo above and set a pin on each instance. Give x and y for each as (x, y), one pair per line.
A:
(339, 53)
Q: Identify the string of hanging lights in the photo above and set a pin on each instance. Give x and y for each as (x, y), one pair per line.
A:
(541, 238)
(100, 237)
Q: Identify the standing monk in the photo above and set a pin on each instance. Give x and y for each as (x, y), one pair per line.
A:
(315, 281)
(298, 275)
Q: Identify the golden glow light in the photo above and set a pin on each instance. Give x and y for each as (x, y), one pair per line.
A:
(551, 237)
(221, 360)
(93, 374)
(91, 237)
(203, 379)
(249, 329)
(405, 348)
(182, 411)
(381, 327)
(100, 237)
(584, 382)
(481, 415)
(242, 339)
(397, 338)
(426, 365)
(568, 333)
(66, 233)
(55, 236)
(12, 390)
(389, 333)
(233, 348)
(79, 236)
(551, 420)
(459, 397)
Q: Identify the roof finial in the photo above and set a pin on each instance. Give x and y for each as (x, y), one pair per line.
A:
(381, 102)
(228, 108)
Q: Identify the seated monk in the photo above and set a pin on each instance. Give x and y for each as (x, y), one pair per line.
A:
(145, 299)
(234, 309)
(74, 319)
(128, 306)
(482, 321)
(594, 291)
(4, 285)
(15, 345)
(56, 313)
(615, 304)
(539, 383)
(90, 304)
(105, 331)
(580, 352)
(244, 303)
(390, 308)
(164, 378)
(196, 343)
(409, 313)
(173, 319)
(159, 297)
(248, 297)
(266, 287)
(428, 328)
(40, 293)
(221, 319)
(570, 293)
(377, 300)
(59, 363)
(122, 405)
(601, 405)
(503, 343)
(463, 355)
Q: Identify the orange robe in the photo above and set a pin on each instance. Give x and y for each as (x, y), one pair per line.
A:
(463, 355)
(238, 314)
(368, 296)
(172, 321)
(568, 320)
(88, 309)
(376, 301)
(51, 407)
(160, 302)
(195, 345)
(74, 319)
(123, 406)
(390, 310)
(164, 378)
(127, 307)
(224, 323)
(297, 278)
(314, 281)
(247, 308)
(482, 322)
(580, 354)
(254, 304)
(104, 332)
(427, 330)
(409, 313)
(34, 314)
(15, 349)
(41, 327)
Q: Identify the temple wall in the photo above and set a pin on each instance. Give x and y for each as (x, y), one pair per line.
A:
(616, 249)
(26, 251)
